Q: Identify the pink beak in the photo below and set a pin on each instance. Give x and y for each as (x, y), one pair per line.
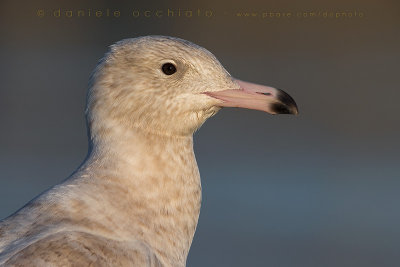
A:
(255, 96)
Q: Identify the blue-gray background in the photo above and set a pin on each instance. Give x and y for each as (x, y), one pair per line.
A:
(320, 189)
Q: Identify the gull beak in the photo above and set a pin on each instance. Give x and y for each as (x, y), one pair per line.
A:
(258, 97)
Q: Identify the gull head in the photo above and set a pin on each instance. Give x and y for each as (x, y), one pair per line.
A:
(169, 86)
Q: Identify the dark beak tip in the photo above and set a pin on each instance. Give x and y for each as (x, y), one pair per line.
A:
(280, 108)
(287, 104)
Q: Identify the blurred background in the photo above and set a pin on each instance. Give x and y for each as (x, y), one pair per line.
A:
(319, 189)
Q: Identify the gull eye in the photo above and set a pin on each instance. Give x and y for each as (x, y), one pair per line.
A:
(168, 68)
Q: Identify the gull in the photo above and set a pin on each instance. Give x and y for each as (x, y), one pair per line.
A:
(135, 200)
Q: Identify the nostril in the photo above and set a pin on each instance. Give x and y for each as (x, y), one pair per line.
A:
(264, 93)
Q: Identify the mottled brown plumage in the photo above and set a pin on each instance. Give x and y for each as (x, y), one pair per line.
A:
(135, 201)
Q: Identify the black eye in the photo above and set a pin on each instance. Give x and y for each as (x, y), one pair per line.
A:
(168, 68)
